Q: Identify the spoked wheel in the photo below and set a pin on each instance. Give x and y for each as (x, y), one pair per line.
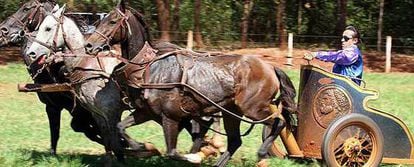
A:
(353, 140)
(276, 148)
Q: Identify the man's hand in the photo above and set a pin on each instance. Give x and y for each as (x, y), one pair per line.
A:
(309, 56)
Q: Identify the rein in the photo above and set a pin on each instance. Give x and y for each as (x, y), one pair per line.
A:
(23, 25)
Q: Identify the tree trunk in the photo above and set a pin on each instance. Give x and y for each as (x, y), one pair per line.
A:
(300, 3)
(197, 28)
(379, 32)
(340, 25)
(280, 24)
(247, 7)
(175, 25)
(163, 8)
(94, 7)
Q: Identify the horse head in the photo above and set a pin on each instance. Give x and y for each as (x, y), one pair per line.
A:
(26, 19)
(122, 25)
(56, 33)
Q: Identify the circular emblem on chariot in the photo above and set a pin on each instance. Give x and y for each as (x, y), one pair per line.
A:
(330, 103)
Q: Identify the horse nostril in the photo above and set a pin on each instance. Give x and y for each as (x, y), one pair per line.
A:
(4, 30)
(22, 33)
(88, 46)
(106, 48)
(32, 55)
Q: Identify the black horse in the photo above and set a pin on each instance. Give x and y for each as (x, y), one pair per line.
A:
(13, 30)
(182, 85)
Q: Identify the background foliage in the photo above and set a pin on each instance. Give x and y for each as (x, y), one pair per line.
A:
(221, 19)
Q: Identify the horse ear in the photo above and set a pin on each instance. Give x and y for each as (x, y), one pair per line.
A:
(59, 12)
(55, 8)
(122, 5)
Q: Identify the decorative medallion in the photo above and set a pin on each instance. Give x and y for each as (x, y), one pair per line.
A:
(330, 103)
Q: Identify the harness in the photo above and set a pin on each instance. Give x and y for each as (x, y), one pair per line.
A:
(29, 20)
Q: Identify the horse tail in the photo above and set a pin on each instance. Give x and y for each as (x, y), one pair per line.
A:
(287, 98)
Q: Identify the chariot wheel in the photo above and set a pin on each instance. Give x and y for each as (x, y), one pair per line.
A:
(275, 150)
(353, 140)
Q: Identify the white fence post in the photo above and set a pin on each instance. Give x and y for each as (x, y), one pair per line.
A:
(190, 40)
(290, 50)
(388, 54)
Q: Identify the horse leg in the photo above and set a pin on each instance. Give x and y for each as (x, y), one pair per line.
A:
(277, 127)
(126, 123)
(171, 129)
(53, 114)
(137, 149)
(216, 139)
(197, 137)
(82, 121)
(200, 150)
(232, 128)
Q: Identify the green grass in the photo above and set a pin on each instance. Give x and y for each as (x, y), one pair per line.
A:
(24, 133)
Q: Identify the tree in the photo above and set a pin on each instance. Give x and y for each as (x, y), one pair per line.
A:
(379, 32)
(280, 24)
(197, 28)
(163, 8)
(341, 14)
(299, 28)
(247, 7)
(175, 25)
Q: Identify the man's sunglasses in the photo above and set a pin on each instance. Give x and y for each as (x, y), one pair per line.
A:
(346, 38)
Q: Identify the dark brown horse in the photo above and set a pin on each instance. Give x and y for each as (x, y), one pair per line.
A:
(13, 28)
(181, 85)
(136, 40)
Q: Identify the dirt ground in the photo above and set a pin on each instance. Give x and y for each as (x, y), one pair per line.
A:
(373, 61)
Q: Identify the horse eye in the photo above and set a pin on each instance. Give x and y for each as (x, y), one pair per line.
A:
(26, 9)
(48, 29)
(112, 22)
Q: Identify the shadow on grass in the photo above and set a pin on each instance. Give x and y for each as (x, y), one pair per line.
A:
(44, 158)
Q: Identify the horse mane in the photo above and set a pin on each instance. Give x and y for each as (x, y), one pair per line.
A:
(51, 1)
(80, 22)
(141, 20)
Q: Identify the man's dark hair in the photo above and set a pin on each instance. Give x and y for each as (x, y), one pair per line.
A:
(356, 32)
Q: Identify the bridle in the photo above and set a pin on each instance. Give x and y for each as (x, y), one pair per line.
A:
(29, 20)
(120, 24)
(53, 47)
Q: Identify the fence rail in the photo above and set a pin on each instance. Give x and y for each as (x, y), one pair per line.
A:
(296, 40)
(232, 40)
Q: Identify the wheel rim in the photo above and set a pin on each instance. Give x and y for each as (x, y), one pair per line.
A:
(355, 145)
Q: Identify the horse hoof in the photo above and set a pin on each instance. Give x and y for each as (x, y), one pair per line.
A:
(208, 151)
(218, 143)
(262, 163)
(53, 152)
(177, 157)
(193, 158)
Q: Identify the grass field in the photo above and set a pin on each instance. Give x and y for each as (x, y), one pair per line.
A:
(24, 132)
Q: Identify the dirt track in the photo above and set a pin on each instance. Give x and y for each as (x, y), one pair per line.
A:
(373, 61)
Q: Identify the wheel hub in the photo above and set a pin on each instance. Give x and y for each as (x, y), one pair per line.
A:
(352, 147)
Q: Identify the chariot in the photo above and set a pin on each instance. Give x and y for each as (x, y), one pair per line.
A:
(336, 124)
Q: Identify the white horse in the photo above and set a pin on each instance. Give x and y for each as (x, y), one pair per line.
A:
(92, 86)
